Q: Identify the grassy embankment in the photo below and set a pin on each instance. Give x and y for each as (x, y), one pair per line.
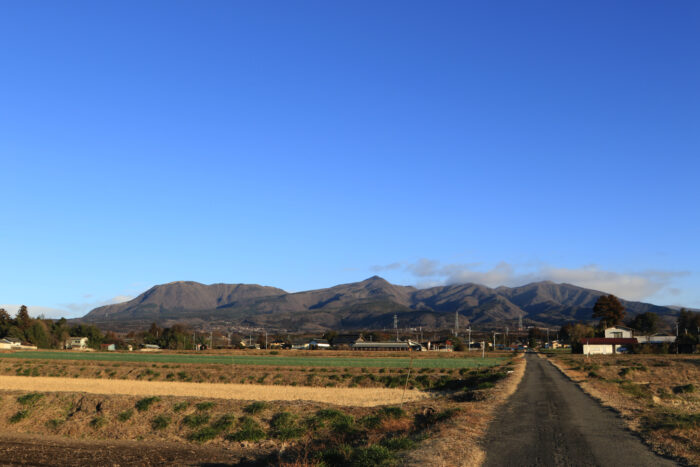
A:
(658, 396)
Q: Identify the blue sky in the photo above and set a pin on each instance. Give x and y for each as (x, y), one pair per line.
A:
(305, 144)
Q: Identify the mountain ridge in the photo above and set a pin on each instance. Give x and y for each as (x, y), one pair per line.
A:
(370, 303)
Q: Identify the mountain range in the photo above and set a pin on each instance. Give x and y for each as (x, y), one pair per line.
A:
(370, 304)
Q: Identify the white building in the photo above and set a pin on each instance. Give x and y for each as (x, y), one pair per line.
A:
(77, 343)
(618, 332)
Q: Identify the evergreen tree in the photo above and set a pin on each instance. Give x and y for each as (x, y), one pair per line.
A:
(610, 311)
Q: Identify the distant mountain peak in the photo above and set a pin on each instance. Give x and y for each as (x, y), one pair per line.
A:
(370, 303)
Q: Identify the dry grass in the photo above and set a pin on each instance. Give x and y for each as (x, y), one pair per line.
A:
(360, 397)
(647, 391)
(457, 442)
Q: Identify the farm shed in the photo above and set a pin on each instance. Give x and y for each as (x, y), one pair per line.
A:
(346, 341)
(381, 346)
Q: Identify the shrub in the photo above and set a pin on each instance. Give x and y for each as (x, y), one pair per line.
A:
(284, 426)
(248, 430)
(684, 389)
(98, 422)
(145, 403)
(160, 422)
(205, 434)
(180, 406)
(30, 398)
(205, 405)
(374, 455)
(666, 420)
(371, 421)
(126, 415)
(55, 423)
(393, 412)
(636, 390)
(399, 443)
(255, 407)
(196, 419)
(224, 422)
(19, 415)
(338, 455)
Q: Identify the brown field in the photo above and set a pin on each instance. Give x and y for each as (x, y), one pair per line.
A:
(303, 426)
(369, 377)
(359, 397)
(658, 396)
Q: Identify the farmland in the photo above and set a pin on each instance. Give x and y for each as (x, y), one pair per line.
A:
(337, 359)
(332, 408)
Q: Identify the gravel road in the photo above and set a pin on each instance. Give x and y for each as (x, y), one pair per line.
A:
(549, 421)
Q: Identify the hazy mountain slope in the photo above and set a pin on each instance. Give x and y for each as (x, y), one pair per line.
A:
(371, 303)
(183, 295)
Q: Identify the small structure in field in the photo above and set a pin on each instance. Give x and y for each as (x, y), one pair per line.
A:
(76, 343)
(319, 344)
(150, 348)
(108, 347)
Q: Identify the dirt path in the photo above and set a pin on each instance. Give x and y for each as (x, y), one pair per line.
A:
(361, 397)
(549, 421)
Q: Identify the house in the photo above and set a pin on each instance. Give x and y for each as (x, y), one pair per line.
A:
(319, 344)
(376, 346)
(605, 345)
(277, 344)
(108, 347)
(76, 343)
(346, 341)
(618, 332)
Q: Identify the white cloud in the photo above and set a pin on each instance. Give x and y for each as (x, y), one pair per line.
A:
(631, 286)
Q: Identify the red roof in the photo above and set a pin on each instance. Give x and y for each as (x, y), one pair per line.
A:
(609, 340)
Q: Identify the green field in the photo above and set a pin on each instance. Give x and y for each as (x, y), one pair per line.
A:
(267, 360)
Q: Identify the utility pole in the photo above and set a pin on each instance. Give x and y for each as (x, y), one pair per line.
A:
(483, 349)
(265, 339)
(396, 326)
(469, 344)
(676, 338)
(505, 338)
(421, 333)
(494, 340)
(456, 323)
(548, 343)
